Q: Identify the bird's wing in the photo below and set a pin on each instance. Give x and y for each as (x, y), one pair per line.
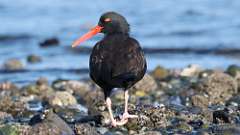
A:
(130, 61)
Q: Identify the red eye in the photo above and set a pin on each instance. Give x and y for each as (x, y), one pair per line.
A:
(107, 20)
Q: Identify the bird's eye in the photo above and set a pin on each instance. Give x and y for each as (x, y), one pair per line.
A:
(107, 20)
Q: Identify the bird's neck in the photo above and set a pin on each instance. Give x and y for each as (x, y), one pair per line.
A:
(115, 37)
(117, 34)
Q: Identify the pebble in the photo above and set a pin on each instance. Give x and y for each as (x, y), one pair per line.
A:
(62, 98)
(33, 58)
(191, 103)
(13, 64)
(49, 42)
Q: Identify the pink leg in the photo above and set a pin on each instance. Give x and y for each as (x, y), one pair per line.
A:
(114, 122)
(126, 115)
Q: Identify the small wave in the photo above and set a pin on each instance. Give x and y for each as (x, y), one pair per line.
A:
(13, 38)
(55, 70)
(187, 33)
(216, 51)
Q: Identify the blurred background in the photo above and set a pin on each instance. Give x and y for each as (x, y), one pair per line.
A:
(36, 36)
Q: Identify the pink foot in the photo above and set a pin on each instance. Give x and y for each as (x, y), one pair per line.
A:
(126, 115)
(119, 123)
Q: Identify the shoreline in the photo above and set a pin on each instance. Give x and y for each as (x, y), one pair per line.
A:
(186, 101)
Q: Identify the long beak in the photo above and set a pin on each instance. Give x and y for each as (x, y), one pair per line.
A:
(88, 35)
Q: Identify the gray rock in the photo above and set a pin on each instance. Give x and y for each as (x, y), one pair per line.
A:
(147, 84)
(226, 129)
(10, 106)
(215, 89)
(13, 64)
(85, 129)
(50, 42)
(235, 100)
(8, 130)
(79, 88)
(34, 58)
(200, 100)
(51, 124)
(8, 86)
(150, 117)
(5, 117)
(221, 116)
(150, 133)
(62, 98)
(40, 89)
(75, 113)
(233, 70)
(160, 73)
(191, 70)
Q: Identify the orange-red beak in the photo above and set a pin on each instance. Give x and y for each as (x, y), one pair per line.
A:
(88, 35)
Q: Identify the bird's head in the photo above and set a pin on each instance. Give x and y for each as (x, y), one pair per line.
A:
(109, 23)
(113, 22)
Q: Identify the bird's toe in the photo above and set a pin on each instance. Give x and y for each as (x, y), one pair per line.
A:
(126, 115)
(114, 123)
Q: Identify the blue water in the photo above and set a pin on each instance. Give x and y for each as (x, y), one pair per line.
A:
(211, 24)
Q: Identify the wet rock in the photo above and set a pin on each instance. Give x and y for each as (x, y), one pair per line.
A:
(235, 100)
(79, 88)
(42, 81)
(62, 98)
(201, 133)
(196, 118)
(233, 70)
(50, 42)
(238, 81)
(74, 113)
(150, 133)
(191, 70)
(5, 117)
(206, 73)
(85, 129)
(13, 64)
(41, 89)
(207, 104)
(9, 130)
(117, 97)
(34, 105)
(180, 127)
(7, 38)
(15, 129)
(147, 84)
(150, 117)
(178, 90)
(200, 100)
(38, 118)
(8, 86)
(226, 129)
(51, 124)
(160, 73)
(216, 89)
(13, 107)
(98, 108)
(196, 124)
(94, 100)
(221, 116)
(34, 58)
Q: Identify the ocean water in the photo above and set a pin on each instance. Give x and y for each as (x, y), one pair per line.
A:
(205, 25)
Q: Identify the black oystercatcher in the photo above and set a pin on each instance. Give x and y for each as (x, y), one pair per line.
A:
(117, 61)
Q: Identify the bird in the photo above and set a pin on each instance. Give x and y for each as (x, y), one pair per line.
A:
(116, 61)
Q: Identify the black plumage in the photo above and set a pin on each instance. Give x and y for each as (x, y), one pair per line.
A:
(117, 61)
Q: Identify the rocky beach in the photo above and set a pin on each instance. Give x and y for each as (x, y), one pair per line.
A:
(192, 85)
(191, 100)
